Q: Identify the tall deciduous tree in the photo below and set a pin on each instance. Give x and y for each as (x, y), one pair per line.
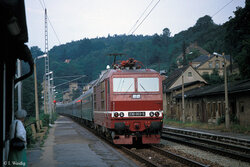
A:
(237, 39)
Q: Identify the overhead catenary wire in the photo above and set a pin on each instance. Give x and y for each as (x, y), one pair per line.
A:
(222, 8)
(44, 7)
(146, 17)
(141, 16)
(70, 81)
(42, 4)
(68, 76)
(54, 31)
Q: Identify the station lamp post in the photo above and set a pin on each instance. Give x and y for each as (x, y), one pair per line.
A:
(35, 80)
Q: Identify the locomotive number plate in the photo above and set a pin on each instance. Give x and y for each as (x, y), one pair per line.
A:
(136, 114)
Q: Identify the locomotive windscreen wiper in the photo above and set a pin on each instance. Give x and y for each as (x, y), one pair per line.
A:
(143, 88)
(129, 87)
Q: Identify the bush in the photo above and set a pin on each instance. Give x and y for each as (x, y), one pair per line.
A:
(234, 119)
(30, 139)
(221, 120)
(32, 120)
(28, 122)
(45, 119)
(54, 117)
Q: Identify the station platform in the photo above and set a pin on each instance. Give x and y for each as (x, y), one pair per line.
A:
(68, 144)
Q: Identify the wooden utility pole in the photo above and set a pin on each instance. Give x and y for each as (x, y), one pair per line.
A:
(35, 80)
(227, 120)
(183, 103)
(36, 98)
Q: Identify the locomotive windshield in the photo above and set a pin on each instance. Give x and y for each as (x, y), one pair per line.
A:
(123, 85)
(128, 84)
(148, 84)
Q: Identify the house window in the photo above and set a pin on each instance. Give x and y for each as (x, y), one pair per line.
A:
(189, 74)
(205, 73)
(208, 110)
(214, 110)
(220, 109)
(210, 64)
(217, 64)
(197, 110)
(242, 107)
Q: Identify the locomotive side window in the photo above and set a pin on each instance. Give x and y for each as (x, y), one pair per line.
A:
(148, 84)
(123, 85)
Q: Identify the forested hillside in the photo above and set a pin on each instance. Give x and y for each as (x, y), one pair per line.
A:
(89, 56)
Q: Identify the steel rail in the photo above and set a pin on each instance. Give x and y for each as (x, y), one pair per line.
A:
(205, 147)
(138, 157)
(178, 158)
(209, 141)
(221, 138)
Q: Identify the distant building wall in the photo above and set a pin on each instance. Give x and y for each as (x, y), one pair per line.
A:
(67, 97)
(190, 75)
(73, 86)
(243, 109)
(170, 105)
(216, 62)
(210, 109)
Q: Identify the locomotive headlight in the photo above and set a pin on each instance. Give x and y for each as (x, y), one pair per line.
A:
(121, 114)
(116, 114)
(157, 114)
(151, 114)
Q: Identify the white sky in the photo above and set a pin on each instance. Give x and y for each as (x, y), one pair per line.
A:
(78, 19)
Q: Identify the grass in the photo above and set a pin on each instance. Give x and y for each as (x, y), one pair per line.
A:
(234, 128)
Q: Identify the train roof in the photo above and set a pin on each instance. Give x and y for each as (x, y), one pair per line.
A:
(107, 73)
(134, 71)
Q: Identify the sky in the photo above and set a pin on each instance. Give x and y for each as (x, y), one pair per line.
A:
(73, 20)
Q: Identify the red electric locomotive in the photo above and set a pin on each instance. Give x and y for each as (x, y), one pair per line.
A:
(128, 104)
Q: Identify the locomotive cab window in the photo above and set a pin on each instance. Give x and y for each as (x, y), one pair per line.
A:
(123, 85)
(148, 84)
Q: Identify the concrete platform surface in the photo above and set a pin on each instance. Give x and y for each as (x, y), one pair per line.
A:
(68, 144)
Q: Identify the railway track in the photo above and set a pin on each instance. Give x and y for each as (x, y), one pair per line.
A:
(155, 156)
(214, 137)
(236, 149)
(167, 158)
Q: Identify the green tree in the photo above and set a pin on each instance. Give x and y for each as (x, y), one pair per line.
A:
(237, 39)
(28, 96)
(204, 21)
(76, 93)
(166, 32)
(184, 47)
(214, 78)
